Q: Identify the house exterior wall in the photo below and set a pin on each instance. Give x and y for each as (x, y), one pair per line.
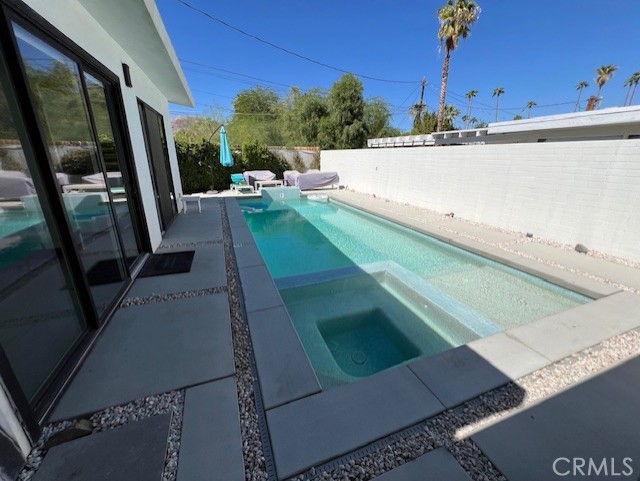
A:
(74, 21)
(571, 192)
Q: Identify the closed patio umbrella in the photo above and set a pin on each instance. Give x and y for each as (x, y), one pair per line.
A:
(226, 159)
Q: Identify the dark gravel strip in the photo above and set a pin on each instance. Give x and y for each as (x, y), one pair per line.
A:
(252, 447)
(140, 301)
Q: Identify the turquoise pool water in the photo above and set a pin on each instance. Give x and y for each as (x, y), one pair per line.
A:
(365, 294)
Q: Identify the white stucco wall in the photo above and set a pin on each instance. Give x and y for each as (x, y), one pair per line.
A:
(572, 192)
(73, 21)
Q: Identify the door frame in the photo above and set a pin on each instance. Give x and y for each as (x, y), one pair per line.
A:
(143, 107)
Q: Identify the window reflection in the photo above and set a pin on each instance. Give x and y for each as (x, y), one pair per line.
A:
(114, 165)
(56, 85)
(39, 321)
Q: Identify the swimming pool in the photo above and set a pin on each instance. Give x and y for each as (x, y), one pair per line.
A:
(365, 294)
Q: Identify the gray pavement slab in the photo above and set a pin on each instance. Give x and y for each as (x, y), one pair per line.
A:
(247, 255)
(194, 227)
(151, 349)
(258, 288)
(481, 232)
(211, 442)
(564, 278)
(562, 334)
(207, 270)
(134, 451)
(321, 427)
(597, 419)
(240, 232)
(620, 273)
(460, 374)
(284, 370)
(438, 465)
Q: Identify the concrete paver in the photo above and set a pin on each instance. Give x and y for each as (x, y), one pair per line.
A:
(211, 442)
(207, 270)
(284, 370)
(318, 428)
(595, 420)
(134, 451)
(152, 349)
(562, 334)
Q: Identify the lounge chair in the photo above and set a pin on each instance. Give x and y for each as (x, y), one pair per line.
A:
(239, 184)
(312, 179)
(251, 176)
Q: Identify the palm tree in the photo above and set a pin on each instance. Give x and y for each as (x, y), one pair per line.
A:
(497, 93)
(415, 111)
(581, 85)
(470, 96)
(450, 114)
(456, 18)
(604, 75)
(530, 104)
(631, 82)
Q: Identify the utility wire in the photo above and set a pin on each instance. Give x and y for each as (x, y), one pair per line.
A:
(236, 73)
(290, 52)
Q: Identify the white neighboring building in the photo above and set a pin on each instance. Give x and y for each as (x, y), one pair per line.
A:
(611, 123)
(89, 180)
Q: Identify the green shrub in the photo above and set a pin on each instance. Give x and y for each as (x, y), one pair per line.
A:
(199, 163)
(77, 162)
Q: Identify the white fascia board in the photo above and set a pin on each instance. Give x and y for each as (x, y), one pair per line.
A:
(594, 118)
(136, 25)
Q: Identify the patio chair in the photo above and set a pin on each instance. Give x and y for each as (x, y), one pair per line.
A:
(239, 184)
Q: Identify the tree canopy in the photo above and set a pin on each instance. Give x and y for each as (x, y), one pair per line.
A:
(340, 118)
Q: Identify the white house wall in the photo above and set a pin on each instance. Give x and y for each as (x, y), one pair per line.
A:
(75, 22)
(571, 192)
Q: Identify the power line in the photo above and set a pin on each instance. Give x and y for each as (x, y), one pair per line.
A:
(236, 73)
(290, 52)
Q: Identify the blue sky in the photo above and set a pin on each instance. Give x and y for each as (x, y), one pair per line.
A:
(537, 50)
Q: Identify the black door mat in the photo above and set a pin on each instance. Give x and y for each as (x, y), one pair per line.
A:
(107, 271)
(169, 263)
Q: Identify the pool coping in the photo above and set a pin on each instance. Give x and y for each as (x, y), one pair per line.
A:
(304, 422)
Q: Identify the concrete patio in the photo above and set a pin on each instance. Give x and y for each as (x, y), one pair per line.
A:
(202, 376)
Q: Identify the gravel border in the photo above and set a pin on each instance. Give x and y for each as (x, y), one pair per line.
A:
(115, 416)
(452, 428)
(190, 244)
(252, 447)
(154, 298)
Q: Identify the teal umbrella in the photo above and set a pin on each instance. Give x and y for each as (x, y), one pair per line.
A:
(226, 159)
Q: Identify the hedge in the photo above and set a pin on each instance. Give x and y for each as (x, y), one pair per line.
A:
(199, 163)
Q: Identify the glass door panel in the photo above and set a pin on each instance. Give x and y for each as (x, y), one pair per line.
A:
(158, 157)
(56, 86)
(115, 166)
(39, 321)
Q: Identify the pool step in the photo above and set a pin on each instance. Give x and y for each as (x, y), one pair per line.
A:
(419, 294)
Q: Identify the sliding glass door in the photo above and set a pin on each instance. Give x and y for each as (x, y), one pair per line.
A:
(71, 226)
(40, 317)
